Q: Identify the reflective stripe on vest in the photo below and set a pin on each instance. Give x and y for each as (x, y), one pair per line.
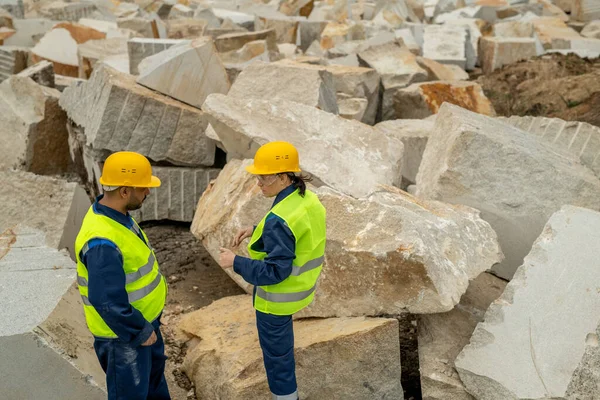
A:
(146, 287)
(305, 217)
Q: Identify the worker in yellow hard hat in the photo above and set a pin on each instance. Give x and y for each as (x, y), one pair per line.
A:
(287, 250)
(122, 289)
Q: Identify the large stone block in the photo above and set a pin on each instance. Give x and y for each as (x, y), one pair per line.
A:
(27, 31)
(301, 83)
(94, 51)
(188, 72)
(442, 72)
(336, 358)
(117, 114)
(514, 29)
(15, 7)
(52, 205)
(33, 128)
(33, 280)
(185, 28)
(585, 10)
(12, 61)
(177, 197)
(443, 336)
(41, 73)
(141, 48)
(397, 67)
(152, 27)
(385, 253)
(332, 149)
(579, 138)
(473, 36)
(540, 338)
(61, 11)
(424, 99)
(495, 52)
(515, 179)
(413, 133)
(591, 30)
(286, 28)
(446, 44)
(234, 41)
(549, 28)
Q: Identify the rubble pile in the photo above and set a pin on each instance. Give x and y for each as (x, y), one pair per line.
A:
(454, 145)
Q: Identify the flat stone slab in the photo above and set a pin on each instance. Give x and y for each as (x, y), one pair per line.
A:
(355, 358)
(118, 114)
(385, 254)
(521, 183)
(33, 128)
(141, 48)
(446, 44)
(540, 338)
(188, 72)
(59, 206)
(297, 82)
(177, 198)
(328, 144)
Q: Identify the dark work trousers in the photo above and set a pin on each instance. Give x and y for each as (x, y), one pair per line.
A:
(134, 373)
(276, 336)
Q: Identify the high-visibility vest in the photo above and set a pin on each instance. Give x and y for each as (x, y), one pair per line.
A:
(305, 216)
(145, 285)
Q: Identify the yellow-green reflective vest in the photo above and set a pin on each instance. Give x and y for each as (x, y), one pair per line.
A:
(305, 216)
(145, 285)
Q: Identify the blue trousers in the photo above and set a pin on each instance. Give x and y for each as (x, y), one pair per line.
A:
(276, 336)
(134, 373)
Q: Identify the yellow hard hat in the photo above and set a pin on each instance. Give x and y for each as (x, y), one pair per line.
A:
(275, 158)
(126, 168)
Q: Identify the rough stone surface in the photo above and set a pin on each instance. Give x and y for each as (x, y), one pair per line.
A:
(33, 128)
(336, 33)
(188, 72)
(41, 73)
(424, 99)
(511, 187)
(234, 41)
(549, 28)
(446, 44)
(140, 48)
(495, 52)
(413, 133)
(522, 29)
(442, 72)
(14, 7)
(286, 28)
(176, 199)
(473, 29)
(147, 28)
(397, 67)
(540, 339)
(27, 29)
(12, 61)
(585, 10)
(309, 31)
(592, 30)
(332, 148)
(118, 115)
(336, 358)
(34, 278)
(94, 51)
(185, 28)
(579, 138)
(384, 253)
(59, 206)
(443, 336)
(61, 11)
(297, 82)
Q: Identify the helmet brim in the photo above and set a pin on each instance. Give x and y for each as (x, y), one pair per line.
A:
(154, 183)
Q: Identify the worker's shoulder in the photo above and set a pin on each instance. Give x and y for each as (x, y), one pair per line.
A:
(97, 242)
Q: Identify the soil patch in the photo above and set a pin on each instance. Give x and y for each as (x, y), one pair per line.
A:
(555, 85)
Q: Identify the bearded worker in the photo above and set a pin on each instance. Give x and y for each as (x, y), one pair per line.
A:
(120, 283)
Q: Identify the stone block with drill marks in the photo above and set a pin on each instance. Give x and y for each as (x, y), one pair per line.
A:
(178, 195)
(12, 61)
(579, 138)
(117, 114)
(140, 48)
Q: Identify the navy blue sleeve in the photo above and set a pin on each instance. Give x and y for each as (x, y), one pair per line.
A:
(280, 246)
(106, 292)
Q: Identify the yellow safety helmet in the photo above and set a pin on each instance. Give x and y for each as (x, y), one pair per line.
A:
(126, 168)
(275, 158)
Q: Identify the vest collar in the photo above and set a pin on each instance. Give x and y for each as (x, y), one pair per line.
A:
(124, 220)
(283, 194)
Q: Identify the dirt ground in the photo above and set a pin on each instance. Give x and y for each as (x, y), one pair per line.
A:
(195, 281)
(561, 86)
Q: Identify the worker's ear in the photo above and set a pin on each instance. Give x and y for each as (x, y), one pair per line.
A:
(124, 192)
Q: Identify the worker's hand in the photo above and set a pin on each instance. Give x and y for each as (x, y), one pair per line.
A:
(226, 258)
(151, 340)
(241, 235)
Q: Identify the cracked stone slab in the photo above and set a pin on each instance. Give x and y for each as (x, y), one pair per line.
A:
(117, 114)
(539, 340)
